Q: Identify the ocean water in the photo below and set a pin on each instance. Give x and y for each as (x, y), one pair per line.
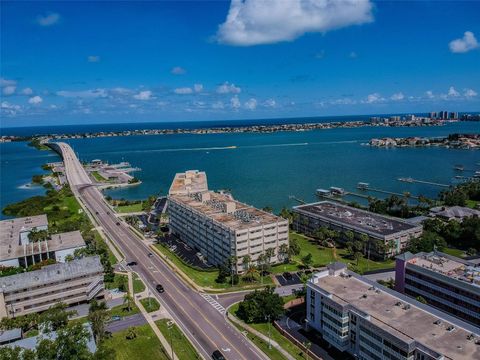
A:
(262, 169)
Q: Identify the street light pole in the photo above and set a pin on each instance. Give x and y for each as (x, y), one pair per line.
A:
(269, 332)
(171, 339)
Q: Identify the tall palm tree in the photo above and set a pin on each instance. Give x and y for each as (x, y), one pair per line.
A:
(128, 301)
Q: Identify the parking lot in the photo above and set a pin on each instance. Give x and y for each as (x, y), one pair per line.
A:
(183, 251)
(286, 280)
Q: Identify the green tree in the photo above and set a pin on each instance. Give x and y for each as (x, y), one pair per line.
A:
(421, 299)
(260, 306)
(128, 302)
(307, 261)
(56, 317)
(283, 252)
(131, 333)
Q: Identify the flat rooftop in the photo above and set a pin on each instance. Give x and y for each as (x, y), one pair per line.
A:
(64, 241)
(454, 212)
(11, 228)
(227, 211)
(356, 219)
(448, 265)
(51, 273)
(191, 181)
(389, 313)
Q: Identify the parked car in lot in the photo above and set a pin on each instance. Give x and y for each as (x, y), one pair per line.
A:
(160, 288)
(287, 276)
(217, 355)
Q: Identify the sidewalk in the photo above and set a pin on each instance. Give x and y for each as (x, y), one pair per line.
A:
(260, 335)
(150, 320)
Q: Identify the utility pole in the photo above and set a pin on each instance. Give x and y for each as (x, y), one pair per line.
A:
(267, 317)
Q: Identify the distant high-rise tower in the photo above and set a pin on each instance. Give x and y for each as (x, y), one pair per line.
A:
(433, 115)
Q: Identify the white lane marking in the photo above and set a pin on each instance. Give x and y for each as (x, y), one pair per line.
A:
(213, 302)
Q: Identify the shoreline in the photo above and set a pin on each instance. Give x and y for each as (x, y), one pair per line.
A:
(418, 122)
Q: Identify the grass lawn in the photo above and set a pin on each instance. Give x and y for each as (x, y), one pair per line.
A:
(129, 208)
(324, 256)
(471, 203)
(207, 278)
(138, 285)
(150, 304)
(454, 252)
(98, 177)
(181, 345)
(145, 346)
(287, 345)
(120, 310)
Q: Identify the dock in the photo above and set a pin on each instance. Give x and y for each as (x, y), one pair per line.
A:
(297, 199)
(412, 180)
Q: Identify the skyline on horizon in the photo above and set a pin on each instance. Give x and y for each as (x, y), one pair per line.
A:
(81, 63)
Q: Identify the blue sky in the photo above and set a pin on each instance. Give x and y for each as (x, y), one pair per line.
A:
(97, 62)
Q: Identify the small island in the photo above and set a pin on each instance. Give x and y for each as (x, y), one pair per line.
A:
(455, 141)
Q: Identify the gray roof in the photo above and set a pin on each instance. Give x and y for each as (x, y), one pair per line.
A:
(31, 343)
(454, 212)
(10, 335)
(356, 219)
(51, 273)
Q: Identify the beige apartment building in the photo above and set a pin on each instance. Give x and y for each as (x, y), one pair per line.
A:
(220, 227)
(71, 283)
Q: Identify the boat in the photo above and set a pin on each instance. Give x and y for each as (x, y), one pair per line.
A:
(459, 167)
(406, 179)
(363, 185)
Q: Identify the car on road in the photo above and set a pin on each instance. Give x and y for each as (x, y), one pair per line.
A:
(150, 254)
(115, 318)
(96, 212)
(118, 223)
(160, 288)
(217, 355)
(108, 212)
(132, 263)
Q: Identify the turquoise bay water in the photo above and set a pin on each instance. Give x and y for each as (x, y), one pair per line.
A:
(264, 169)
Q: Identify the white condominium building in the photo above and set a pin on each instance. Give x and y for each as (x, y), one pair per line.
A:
(371, 322)
(220, 227)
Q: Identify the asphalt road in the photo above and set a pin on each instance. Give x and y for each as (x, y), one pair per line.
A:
(205, 326)
(126, 322)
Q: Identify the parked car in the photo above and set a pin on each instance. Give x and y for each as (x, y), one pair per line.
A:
(287, 276)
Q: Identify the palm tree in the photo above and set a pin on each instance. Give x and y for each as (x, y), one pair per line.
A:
(250, 273)
(283, 251)
(97, 320)
(246, 260)
(128, 301)
(131, 333)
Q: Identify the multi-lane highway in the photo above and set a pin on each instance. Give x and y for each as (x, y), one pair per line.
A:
(202, 322)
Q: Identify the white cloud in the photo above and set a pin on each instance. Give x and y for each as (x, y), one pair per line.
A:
(429, 94)
(143, 95)
(374, 98)
(465, 44)
(235, 102)
(48, 19)
(197, 87)
(35, 100)
(218, 105)
(270, 103)
(93, 58)
(183, 90)
(27, 91)
(9, 90)
(6, 82)
(254, 22)
(121, 91)
(93, 93)
(397, 97)
(177, 70)
(468, 93)
(9, 109)
(227, 88)
(452, 92)
(251, 104)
